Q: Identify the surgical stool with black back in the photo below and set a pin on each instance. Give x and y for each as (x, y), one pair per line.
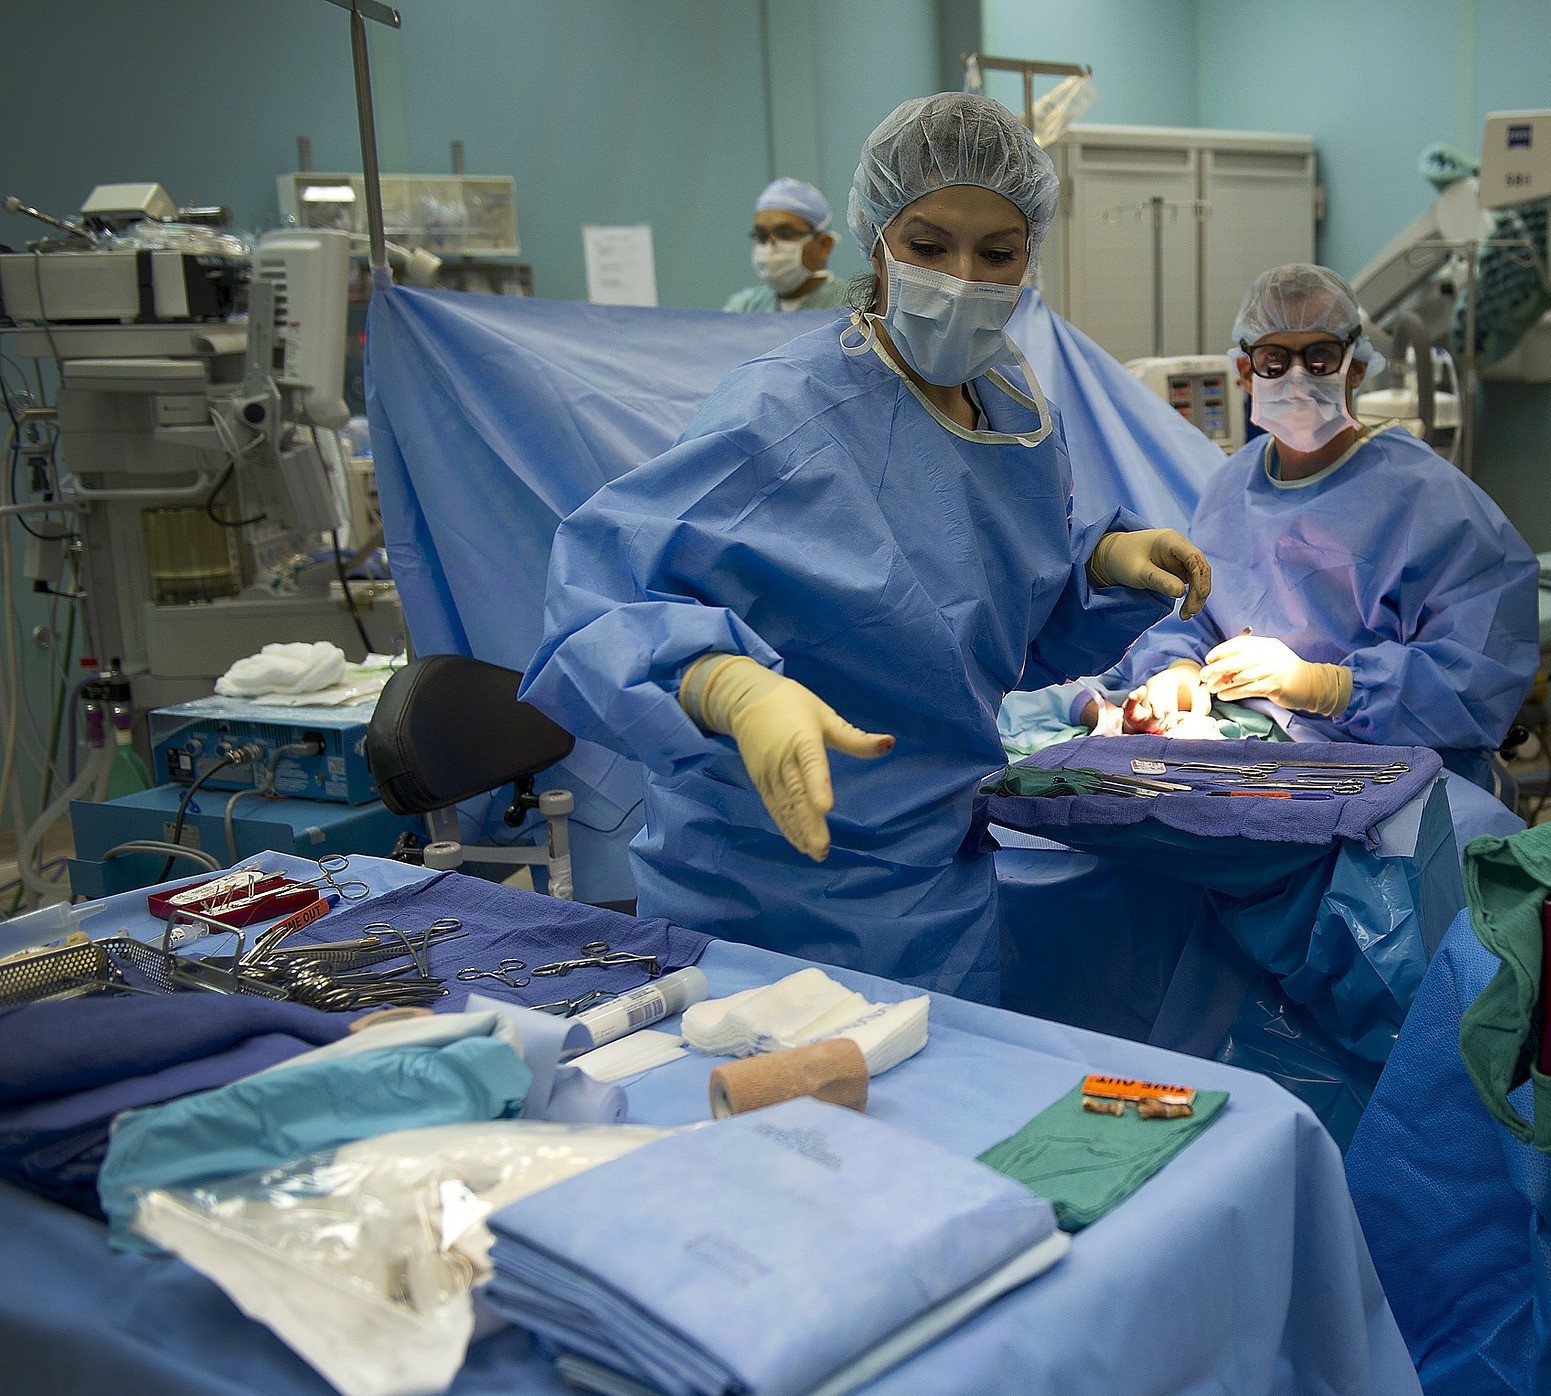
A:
(448, 728)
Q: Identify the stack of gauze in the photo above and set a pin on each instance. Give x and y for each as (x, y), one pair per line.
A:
(807, 1007)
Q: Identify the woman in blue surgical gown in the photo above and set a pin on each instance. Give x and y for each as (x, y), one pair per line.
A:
(869, 526)
(1365, 589)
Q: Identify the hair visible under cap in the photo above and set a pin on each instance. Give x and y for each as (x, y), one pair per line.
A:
(953, 138)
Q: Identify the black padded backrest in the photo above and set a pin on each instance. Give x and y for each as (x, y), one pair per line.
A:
(448, 727)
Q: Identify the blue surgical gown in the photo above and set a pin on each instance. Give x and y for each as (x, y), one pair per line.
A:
(1393, 564)
(816, 517)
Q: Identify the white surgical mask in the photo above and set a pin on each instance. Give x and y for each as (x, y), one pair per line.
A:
(1300, 409)
(779, 264)
(947, 329)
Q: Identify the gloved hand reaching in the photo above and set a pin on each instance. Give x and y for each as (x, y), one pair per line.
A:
(1153, 559)
(1256, 666)
(782, 731)
(1156, 704)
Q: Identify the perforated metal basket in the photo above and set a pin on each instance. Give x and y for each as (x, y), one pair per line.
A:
(103, 966)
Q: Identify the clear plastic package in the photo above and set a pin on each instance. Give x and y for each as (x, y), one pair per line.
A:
(363, 1259)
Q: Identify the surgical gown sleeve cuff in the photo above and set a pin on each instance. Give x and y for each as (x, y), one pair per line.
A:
(1088, 629)
(615, 681)
(1084, 692)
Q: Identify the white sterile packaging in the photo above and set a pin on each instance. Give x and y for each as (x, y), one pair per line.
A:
(363, 1259)
(807, 1007)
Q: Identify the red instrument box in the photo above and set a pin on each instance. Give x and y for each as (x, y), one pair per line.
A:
(235, 899)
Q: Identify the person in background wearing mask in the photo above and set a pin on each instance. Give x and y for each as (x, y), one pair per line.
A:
(792, 244)
(1365, 588)
(870, 525)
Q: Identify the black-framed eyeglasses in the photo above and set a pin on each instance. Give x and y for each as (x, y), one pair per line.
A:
(765, 236)
(1321, 358)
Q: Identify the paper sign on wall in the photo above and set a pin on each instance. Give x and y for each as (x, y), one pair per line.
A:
(621, 269)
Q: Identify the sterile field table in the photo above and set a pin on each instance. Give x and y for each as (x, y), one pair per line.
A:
(1239, 1267)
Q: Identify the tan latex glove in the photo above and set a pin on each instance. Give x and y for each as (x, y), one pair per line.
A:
(782, 731)
(1166, 695)
(1256, 666)
(1153, 559)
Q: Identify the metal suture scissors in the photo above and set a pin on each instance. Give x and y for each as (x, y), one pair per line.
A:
(596, 954)
(330, 865)
(508, 971)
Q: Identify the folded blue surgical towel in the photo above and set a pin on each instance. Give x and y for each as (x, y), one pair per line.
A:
(775, 1253)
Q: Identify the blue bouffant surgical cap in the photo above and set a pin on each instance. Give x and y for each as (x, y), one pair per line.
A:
(1300, 297)
(796, 197)
(952, 138)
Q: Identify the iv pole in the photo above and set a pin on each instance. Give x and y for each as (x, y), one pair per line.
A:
(360, 12)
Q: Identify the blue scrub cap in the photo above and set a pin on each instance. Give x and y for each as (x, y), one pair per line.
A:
(1300, 297)
(795, 196)
(952, 138)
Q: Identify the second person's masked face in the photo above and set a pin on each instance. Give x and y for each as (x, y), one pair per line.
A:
(780, 265)
(1301, 409)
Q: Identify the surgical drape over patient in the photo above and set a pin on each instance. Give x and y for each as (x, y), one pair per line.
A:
(818, 518)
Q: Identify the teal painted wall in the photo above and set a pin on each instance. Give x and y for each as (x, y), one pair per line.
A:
(859, 87)
(1373, 83)
(1142, 52)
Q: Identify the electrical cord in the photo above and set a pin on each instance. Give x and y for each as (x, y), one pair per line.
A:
(267, 789)
(344, 582)
(234, 454)
(174, 852)
(232, 758)
(14, 450)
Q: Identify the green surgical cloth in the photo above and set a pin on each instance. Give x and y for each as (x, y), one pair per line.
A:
(1038, 780)
(1506, 882)
(1088, 1164)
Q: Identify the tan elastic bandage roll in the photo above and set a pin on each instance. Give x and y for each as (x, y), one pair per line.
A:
(835, 1071)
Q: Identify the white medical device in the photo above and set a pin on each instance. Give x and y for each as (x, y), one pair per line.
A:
(1515, 158)
(1203, 389)
(309, 270)
(199, 389)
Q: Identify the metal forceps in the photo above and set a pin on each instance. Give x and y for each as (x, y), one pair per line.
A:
(352, 889)
(443, 928)
(1157, 767)
(1332, 784)
(507, 971)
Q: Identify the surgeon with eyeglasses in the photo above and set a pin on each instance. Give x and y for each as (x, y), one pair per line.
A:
(1364, 587)
(804, 616)
(792, 244)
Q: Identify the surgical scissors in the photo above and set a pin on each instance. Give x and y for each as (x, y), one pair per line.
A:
(503, 973)
(610, 960)
(569, 1008)
(329, 865)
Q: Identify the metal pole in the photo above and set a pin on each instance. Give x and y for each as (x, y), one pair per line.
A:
(1157, 275)
(304, 154)
(1467, 406)
(363, 107)
(458, 166)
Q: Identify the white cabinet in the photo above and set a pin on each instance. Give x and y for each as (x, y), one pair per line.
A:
(1231, 204)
